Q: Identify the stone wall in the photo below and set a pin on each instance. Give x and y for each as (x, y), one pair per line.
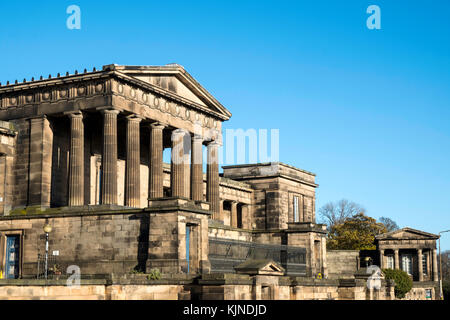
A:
(113, 240)
(342, 263)
(183, 287)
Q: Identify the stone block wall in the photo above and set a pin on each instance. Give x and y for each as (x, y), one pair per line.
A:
(342, 263)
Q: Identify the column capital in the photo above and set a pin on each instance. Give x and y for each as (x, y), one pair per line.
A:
(158, 125)
(197, 138)
(214, 143)
(74, 114)
(109, 111)
(134, 118)
(179, 132)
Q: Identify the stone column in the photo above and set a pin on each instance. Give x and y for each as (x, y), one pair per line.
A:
(396, 262)
(133, 164)
(212, 183)
(323, 242)
(156, 161)
(435, 266)
(40, 162)
(76, 173)
(419, 258)
(109, 157)
(234, 222)
(381, 258)
(197, 169)
(178, 165)
(221, 215)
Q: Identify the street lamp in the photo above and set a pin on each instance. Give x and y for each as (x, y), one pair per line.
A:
(47, 230)
(440, 266)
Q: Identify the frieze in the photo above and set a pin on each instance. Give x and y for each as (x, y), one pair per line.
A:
(161, 103)
(51, 94)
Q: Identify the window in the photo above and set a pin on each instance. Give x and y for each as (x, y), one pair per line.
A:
(407, 263)
(390, 262)
(296, 218)
(424, 264)
(12, 257)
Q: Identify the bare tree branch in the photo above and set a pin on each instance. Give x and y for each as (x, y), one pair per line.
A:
(334, 213)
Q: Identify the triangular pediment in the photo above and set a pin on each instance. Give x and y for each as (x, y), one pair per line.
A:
(407, 233)
(260, 267)
(174, 79)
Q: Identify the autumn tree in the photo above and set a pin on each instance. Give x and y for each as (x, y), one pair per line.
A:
(355, 233)
(334, 213)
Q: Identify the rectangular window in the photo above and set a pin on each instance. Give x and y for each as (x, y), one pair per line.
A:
(296, 217)
(407, 263)
(12, 257)
(390, 262)
(424, 264)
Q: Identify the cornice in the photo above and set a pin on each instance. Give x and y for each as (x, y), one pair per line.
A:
(69, 87)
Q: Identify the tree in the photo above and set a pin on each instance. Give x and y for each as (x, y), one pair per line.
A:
(356, 233)
(334, 213)
(390, 224)
(403, 282)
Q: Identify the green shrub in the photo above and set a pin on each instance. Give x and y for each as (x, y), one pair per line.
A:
(446, 289)
(154, 274)
(403, 282)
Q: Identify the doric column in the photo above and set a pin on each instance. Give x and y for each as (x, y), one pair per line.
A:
(133, 164)
(435, 266)
(197, 168)
(76, 172)
(381, 258)
(178, 164)
(233, 217)
(212, 183)
(419, 258)
(396, 262)
(109, 157)
(156, 161)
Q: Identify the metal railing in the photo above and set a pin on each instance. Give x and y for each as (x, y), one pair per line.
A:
(225, 254)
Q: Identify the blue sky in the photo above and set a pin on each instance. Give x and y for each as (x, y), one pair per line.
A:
(366, 110)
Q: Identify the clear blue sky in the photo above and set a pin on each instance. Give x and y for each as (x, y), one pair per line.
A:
(367, 110)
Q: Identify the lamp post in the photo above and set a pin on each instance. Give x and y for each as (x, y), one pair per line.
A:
(47, 230)
(441, 294)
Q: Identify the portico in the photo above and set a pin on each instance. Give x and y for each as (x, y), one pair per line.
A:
(410, 250)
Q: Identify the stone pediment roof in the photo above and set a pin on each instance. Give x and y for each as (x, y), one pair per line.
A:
(260, 267)
(407, 234)
(174, 79)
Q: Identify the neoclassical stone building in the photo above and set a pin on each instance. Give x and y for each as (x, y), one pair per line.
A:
(83, 153)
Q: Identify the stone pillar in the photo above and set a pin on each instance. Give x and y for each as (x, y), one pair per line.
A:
(109, 157)
(324, 257)
(221, 213)
(40, 168)
(396, 262)
(381, 258)
(76, 172)
(435, 266)
(178, 165)
(156, 189)
(197, 169)
(234, 217)
(212, 183)
(133, 164)
(419, 258)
